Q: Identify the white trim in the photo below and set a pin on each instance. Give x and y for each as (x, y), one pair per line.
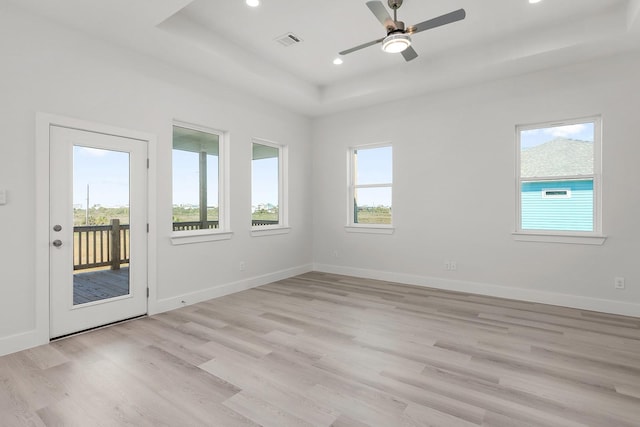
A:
(623, 308)
(549, 237)
(22, 341)
(370, 229)
(385, 185)
(199, 236)
(269, 231)
(40, 335)
(172, 303)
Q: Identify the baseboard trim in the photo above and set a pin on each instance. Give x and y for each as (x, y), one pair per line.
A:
(21, 341)
(528, 295)
(172, 303)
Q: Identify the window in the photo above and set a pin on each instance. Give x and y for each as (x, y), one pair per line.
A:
(370, 186)
(198, 193)
(268, 187)
(558, 178)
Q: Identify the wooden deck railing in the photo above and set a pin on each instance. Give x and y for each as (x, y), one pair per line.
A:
(258, 222)
(194, 225)
(108, 245)
(101, 246)
(198, 225)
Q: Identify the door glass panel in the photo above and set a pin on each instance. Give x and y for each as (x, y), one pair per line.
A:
(101, 243)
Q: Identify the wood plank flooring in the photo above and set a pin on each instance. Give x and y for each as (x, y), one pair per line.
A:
(96, 285)
(328, 350)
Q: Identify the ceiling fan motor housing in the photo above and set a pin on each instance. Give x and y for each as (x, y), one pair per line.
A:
(399, 28)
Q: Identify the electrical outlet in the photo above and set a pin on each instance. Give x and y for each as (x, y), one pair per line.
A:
(243, 266)
(451, 265)
(335, 254)
(618, 282)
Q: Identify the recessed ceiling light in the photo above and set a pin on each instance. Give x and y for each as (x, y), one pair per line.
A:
(534, 1)
(253, 3)
(337, 61)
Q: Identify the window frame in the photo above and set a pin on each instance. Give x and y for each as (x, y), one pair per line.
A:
(283, 190)
(223, 232)
(354, 227)
(594, 237)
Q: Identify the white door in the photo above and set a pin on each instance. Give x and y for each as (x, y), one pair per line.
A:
(98, 229)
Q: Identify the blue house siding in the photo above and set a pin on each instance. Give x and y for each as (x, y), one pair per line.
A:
(574, 213)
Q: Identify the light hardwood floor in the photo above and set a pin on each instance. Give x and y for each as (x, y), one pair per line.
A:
(323, 350)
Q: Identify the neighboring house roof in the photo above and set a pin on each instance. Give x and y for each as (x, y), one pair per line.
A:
(559, 157)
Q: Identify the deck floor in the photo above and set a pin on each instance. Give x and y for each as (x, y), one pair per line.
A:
(97, 285)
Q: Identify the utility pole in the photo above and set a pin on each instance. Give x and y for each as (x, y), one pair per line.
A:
(86, 218)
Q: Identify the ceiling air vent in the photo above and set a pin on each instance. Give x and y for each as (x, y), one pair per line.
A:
(288, 39)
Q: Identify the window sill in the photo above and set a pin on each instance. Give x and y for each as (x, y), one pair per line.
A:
(370, 229)
(559, 238)
(199, 236)
(269, 231)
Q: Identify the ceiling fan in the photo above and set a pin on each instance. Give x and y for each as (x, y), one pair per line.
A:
(398, 38)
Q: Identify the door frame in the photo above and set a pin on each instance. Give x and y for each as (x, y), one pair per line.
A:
(42, 236)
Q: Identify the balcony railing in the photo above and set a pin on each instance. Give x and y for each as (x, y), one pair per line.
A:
(101, 246)
(209, 225)
(108, 245)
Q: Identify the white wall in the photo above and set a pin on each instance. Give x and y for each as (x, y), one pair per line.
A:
(454, 191)
(454, 176)
(46, 68)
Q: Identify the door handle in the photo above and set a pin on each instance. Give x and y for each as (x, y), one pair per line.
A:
(57, 243)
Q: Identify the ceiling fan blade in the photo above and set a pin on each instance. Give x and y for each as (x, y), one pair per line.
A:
(381, 13)
(409, 54)
(362, 46)
(447, 18)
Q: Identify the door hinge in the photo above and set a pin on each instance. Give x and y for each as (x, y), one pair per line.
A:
(147, 292)
(147, 227)
(148, 163)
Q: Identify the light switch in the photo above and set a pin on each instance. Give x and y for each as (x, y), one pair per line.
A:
(3, 197)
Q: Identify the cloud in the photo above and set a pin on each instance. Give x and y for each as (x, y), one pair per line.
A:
(565, 131)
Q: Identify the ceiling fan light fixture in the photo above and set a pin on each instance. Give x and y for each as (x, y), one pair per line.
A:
(396, 43)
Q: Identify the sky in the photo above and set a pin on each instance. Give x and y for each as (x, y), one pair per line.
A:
(107, 174)
(374, 167)
(186, 178)
(264, 177)
(534, 137)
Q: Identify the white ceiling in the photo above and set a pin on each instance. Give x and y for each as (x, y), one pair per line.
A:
(234, 44)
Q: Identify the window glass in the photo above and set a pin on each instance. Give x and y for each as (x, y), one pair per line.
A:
(373, 165)
(557, 151)
(265, 185)
(557, 177)
(371, 185)
(373, 205)
(195, 179)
